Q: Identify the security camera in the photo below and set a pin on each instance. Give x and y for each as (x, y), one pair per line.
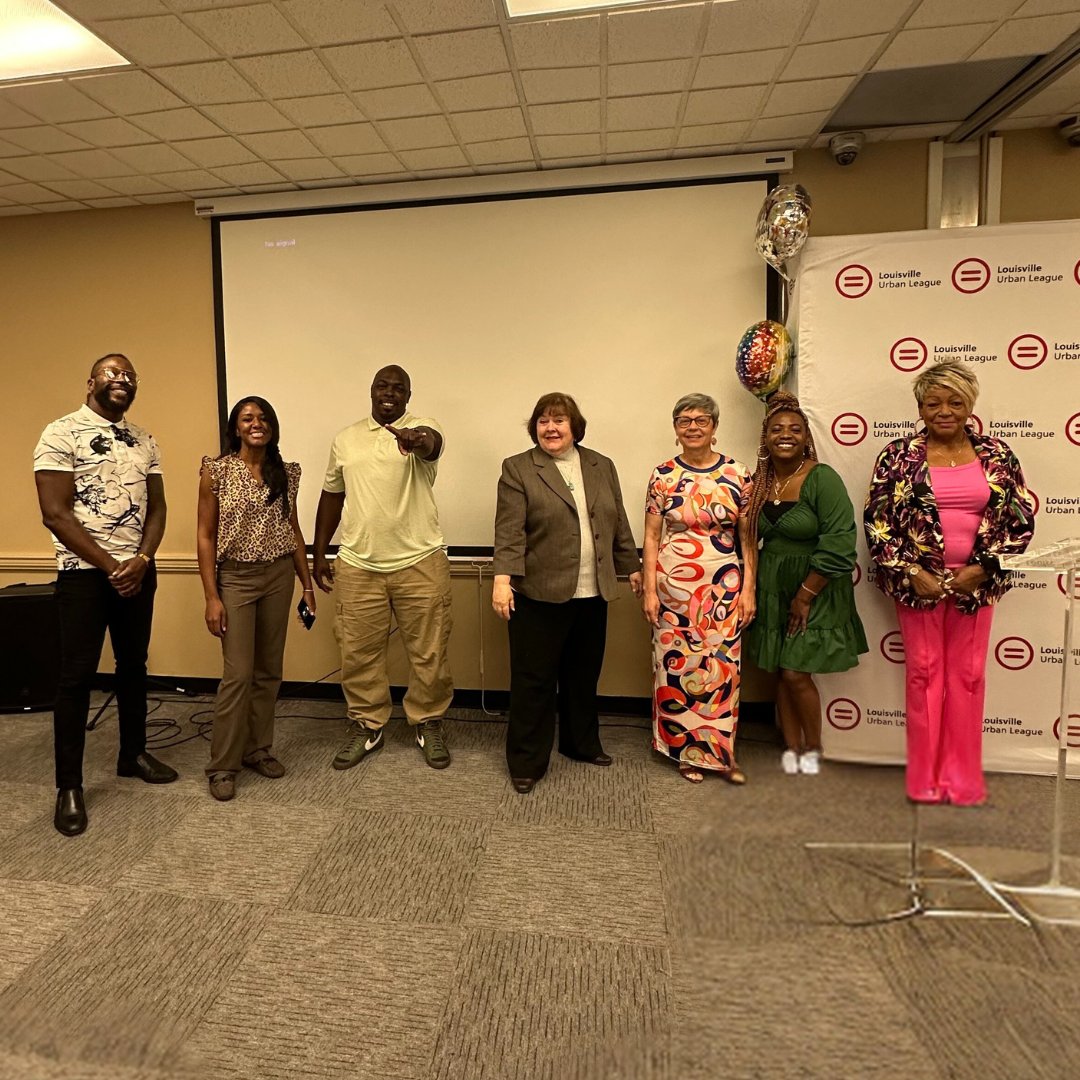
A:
(1069, 130)
(845, 147)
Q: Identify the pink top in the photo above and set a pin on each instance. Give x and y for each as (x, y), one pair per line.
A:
(962, 494)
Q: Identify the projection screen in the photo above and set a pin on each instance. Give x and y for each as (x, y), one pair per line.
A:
(624, 298)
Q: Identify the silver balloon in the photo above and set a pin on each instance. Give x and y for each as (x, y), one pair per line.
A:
(783, 225)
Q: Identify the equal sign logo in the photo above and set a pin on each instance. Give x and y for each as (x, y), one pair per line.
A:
(1063, 589)
(849, 429)
(853, 281)
(1072, 429)
(970, 276)
(1027, 351)
(1014, 653)
(892, 647)
(908, 354)
(843, 714)
(1072, 731)
(976, 423)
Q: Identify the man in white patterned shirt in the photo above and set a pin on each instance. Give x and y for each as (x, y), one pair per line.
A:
(102, 497)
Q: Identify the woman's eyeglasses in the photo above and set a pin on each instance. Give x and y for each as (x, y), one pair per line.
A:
(684, 422)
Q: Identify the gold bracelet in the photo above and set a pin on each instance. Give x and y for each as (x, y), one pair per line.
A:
(145, 558)
(810, 591)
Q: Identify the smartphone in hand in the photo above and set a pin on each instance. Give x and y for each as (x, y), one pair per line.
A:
(307, 616)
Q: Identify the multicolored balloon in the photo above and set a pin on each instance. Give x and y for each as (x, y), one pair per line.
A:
(763, 357)
(783, 225)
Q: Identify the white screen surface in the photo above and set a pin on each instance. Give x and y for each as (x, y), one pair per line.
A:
(624, 299)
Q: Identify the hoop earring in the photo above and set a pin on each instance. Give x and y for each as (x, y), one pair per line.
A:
(714, 440)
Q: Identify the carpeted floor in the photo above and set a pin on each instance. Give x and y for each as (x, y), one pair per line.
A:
(395, 922)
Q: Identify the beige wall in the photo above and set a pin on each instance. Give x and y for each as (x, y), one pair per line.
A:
(138, 280)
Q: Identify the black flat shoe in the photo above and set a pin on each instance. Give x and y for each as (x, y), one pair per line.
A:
(600, 759)
(147, 768)
(522, 784)
(70, 816)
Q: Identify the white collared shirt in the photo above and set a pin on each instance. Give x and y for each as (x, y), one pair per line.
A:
(110, 463)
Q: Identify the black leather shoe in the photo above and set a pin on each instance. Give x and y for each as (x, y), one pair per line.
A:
(522, 784)
(148, 768)
(70, 816)
(600, 759)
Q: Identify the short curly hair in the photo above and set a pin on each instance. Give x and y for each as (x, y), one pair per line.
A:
(953, 375)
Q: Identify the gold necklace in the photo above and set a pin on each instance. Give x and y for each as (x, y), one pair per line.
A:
(949, 452)
(778, 489)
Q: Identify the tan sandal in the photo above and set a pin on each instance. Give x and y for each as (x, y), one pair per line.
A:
(734, 775)
(690, 773)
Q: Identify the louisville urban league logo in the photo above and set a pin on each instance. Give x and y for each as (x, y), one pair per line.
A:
(1014, 653)
(853, 281)
(970, 276)
(843, 714)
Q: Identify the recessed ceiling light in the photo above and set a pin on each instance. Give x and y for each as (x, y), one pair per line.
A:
(521, 9)
(37, 38)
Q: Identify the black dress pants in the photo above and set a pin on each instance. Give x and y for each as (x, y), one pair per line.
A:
(556, 653)
(88, 605)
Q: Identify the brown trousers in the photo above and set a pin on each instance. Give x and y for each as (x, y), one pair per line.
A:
(419, 599)
(257, 599)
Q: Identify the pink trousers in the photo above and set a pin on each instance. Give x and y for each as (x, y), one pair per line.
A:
(945, 687)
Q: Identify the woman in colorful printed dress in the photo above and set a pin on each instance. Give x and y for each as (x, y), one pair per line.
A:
(250, 546)
(699, 595)
(806, 618)
(944, 505)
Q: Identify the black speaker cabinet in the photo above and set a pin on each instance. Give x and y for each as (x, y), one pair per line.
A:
(29, 647)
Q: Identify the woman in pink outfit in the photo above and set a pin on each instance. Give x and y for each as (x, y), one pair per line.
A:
(944, 506)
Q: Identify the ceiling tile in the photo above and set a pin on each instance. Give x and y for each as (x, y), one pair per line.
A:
(957, 12)
(1027, 37)
(128, 92)
(243, 31)
(746, 27)
(565, 119)
(564, 43)
(112, 132)
(374, 65)
(1049, 7)
(837, 19)
(558, 146)
(925, 48)
(832, 58)
(733, 103)
(30, 193)
(576, 161)
(12, 116)
(629, 141)
(315, 168)
(338, 180)
(544, 85)
(794, 97)
(738, 69)
(62, 206)
(655, 77)
(82, 189)
(247, 116)
(321, 110)
(635, 156)
(109, 204)
(469, 52)
(505, 167)
(920, 131)
(210, 153)
(417, 133)
(94, 164)
(639, 113)
(334, 22)
(162, 39)
(37, 168)
(662, 34)
(288, 74)
(398, 101)
(178, 124)
(258, 172)
(134, 185)
(281, 185)
(208, 84)
(85, 10)
(8, 209)
(281, 144)
(53, 102)
(9, 178)
(501, 150)
(489, 125)
(370, 164)
(804, 125)
(149, 159)
(712, 134)
(346, 139)
(8, 149)
(164, 197)
(44, 140)
(425, 17)
(478, 92)
(190, 180)
(437, 157)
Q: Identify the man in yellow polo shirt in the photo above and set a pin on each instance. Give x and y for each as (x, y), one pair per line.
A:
(390, 561)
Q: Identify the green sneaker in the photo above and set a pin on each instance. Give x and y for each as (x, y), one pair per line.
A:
(361, 742)
(431, 739)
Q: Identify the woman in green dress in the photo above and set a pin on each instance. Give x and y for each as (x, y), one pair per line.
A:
(803, 521)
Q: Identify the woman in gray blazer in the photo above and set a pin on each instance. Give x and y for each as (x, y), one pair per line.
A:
(561, 537)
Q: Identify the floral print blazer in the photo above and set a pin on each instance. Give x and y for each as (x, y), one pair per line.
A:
(903, 526)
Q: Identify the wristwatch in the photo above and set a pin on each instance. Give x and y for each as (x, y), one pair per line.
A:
(912, 570)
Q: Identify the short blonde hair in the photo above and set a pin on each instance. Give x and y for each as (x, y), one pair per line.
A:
(953, 375)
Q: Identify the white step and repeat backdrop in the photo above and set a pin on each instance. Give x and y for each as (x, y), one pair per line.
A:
(871, 311)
